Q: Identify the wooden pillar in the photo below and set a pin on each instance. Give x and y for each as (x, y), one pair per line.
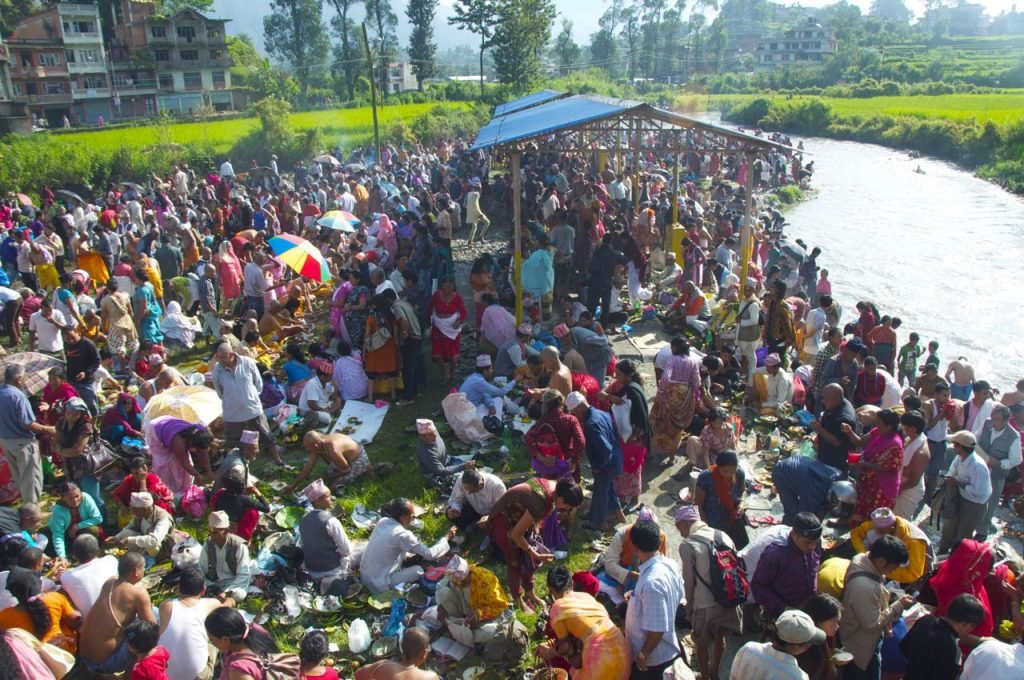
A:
(517, 198)
(747, 234)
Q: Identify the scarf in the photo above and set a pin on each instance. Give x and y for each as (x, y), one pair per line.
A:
(724, 491)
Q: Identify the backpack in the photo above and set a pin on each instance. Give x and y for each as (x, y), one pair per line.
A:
(276, 666)
(509, 644)
(728, 573)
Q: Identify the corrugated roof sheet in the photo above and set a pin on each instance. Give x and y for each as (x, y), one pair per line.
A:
(532, 99)
(568, 112)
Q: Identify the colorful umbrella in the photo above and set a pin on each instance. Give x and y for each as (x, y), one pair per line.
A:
(37, 368)
(341, 220)
(301, 256)
(24, 200)
(187, 402)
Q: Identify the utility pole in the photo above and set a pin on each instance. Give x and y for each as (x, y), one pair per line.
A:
(373, 94)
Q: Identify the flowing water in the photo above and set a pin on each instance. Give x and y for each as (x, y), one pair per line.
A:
(940, 250)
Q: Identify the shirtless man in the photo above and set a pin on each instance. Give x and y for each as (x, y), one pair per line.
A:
(415, 650)
(167, 378)
(963, 378)
(1015, 397)
(560, 375)
(345, 457)
(102, 646)
(277, 323)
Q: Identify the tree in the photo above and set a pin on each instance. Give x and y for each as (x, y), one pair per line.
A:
(566, 49)
(13, 11)
(891, 10)
(523, 29)
(168, 8)
(294, 32)
(630, 33)
(422, 48)
(603, 50)
(383, 27)
(346, 52)
(254, 72)
(478, 17)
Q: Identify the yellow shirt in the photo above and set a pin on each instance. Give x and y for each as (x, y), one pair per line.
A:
(917, 549)
(831, 576)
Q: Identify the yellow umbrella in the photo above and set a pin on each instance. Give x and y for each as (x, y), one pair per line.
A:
(196, 404)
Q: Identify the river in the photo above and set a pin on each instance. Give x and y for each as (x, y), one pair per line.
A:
(936, 249)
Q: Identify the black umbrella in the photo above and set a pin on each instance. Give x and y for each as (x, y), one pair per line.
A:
(70, 195)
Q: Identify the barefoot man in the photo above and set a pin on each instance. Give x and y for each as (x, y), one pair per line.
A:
(102, 646)
(963, 378)
(345, 457)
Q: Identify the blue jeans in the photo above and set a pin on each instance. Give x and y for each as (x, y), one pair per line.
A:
(604, 499)
(936, 466)
(87, 391)
(255, 303)
(90, 486)
(424, 278)
(414, 368)
(120, 660)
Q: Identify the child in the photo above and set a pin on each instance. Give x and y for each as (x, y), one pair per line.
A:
(142, 638)
(933, 358)
(824, 286)
(92, 330)
(908, 356)
(312, 651)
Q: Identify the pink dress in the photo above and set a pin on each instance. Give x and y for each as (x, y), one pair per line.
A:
(229, 272)
(160, 432)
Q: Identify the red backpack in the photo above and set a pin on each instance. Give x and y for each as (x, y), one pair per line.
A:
(728, 573)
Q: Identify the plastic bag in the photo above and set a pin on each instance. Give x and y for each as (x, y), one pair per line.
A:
(806, 449)
(620, 412)
(193, 501)
(358, 637)
(186, 553)
(461, 416)
(396, 620)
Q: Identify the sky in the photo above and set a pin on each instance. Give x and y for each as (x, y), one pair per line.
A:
(583, 13)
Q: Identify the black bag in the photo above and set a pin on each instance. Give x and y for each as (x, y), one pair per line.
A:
(494, 425)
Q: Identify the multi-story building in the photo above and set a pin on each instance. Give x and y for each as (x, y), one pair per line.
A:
(13, 115)
(809, 43)
(401, 77)
(58, 65)
(190, 54)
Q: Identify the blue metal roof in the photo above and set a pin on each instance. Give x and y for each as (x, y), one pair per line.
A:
(549, 117)
(532, 99)
(567, 112)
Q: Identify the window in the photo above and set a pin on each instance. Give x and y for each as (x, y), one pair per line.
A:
(150, 107)
(767, 57)
(216, 54)
(95, 82)
(161, 55)
(158, 31)
(214, 32)
(821, 34)
(187, 32)
(89, 56)
(49, 59)
(785, 57)
(26, 60)
(30, 88)
(189, 55)
(53, 88)
(193, 80)
(166, 81)
(79, 27)
(219, 79)
(774, 46)
(69, 56)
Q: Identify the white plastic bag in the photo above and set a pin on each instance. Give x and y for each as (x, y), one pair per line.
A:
(186, 553)
(620, 412)
(358, 637)
(463, 419)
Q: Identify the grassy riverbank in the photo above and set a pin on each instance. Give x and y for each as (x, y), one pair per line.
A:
(131, 153)
(983, 132)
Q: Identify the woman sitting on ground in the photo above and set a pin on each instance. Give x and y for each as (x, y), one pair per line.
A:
(139, 478)
(243, 506)
(48, 616)
(296, 371)
(123, 419)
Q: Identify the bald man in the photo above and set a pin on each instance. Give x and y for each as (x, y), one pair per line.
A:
(345, 457)
(559, 374)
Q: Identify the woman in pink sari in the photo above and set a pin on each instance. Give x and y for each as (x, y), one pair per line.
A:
(386, 237)
(55, 394)
(880, 464)
(229, 273)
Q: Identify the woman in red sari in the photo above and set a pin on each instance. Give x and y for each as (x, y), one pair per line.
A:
(964, 573)
(447, 312)
(628, 385)
(880, 464)
(56, 393)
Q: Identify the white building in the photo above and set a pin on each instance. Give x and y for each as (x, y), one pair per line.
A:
(809, 43)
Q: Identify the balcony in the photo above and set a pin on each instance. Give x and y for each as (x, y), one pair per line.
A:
(87, 67)
(63, 98)
(90, 92)
(79, 38)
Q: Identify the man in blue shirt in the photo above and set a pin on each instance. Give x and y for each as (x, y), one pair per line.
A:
(482, 394)
(18, 430)
(605, 458)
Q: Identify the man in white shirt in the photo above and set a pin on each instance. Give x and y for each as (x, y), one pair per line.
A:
(346, 201)
(319, 398)
(328, 555)
(794, 634)
(84, 582)
(44, 329)
(254, 284)
(814, 330)
(227, 171)
(473, 495)
(391, 543)
(778, 384)
(748, 333)
(651, 615)
(224, 560)
(994, 659)
(180, 182)
(969, 475)
(978, 408)
(999, 446)
(475, 214)
(670, 275)
(916, 456)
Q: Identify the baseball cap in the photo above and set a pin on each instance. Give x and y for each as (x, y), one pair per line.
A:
(797, 628)
(964, 438)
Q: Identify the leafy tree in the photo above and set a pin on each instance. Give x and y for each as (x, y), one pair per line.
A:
(891, 10)
(523, 29)
(630, 33)
(566, 49)
(383, 31)
(478, 17)
(294, 32)
(603, 50)
(169, 8)
(346, 52)
(13, 11)
(422, 48)
(254, 72)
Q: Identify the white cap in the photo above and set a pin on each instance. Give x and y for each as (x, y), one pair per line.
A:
(797, 628)
(574, 400)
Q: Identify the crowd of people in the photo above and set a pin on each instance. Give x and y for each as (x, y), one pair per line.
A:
(119, 290)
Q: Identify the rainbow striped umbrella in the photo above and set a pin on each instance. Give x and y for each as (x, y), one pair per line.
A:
(301, 256)
(341, 220)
